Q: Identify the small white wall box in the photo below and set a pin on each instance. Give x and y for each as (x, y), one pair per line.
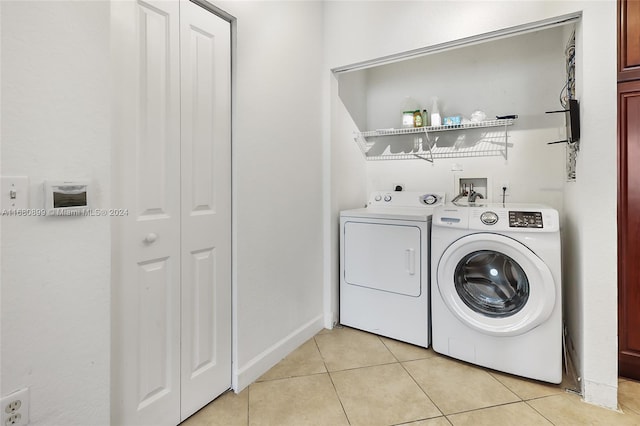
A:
(61, 196)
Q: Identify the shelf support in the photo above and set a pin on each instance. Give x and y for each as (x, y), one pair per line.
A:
(506, 141)
(428, 140)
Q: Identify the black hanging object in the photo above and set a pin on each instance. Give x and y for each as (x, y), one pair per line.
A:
(572, 119)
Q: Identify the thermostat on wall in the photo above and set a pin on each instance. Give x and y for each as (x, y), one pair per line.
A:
(60, 196)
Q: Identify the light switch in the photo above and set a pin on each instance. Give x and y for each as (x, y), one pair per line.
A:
(14, 192)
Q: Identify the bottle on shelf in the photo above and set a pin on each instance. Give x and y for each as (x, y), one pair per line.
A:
(436, 120)
(417, 119)
(409, 107)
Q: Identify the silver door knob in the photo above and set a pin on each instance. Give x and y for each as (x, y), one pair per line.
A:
(150, 238)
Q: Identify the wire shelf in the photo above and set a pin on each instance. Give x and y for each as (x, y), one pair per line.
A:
(427, 143)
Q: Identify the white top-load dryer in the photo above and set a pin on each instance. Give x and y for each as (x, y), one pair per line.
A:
(384, 265)
(496, 292)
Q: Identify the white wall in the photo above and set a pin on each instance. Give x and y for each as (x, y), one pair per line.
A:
(592, 271)
(519, 75)
(385, 28)
(277, 151)
(56, 271)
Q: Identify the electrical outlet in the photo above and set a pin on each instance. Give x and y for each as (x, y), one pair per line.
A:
(14, 420)
(15, 408)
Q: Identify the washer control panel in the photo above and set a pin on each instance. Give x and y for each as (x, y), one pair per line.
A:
(497, 217)
(522, 219)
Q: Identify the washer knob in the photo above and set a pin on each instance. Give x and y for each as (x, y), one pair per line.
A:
(489, 218)
(378, 198)
(387, 198)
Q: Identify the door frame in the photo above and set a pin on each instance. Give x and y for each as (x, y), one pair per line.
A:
(233, 21)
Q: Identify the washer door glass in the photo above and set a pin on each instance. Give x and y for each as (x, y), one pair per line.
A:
(491, 283)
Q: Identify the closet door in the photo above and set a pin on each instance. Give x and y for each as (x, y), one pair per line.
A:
(206, 206)
(172, 253)
(146, 182)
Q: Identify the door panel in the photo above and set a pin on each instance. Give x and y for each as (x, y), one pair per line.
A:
(146, 295)
(154, 328)
(155, 107)
(202, 317)
(206, 211)
(629, 229)
(628, 40)
(383, 257)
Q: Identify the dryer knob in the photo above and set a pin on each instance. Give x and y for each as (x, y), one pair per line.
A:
(489, 218)
(378, 198)
(429, 199)
(387, 198)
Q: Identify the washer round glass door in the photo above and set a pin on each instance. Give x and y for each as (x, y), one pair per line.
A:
(491, 283)
(495, 284)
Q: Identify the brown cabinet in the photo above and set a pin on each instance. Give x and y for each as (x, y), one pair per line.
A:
(629, 188)
(628, 40)
(629, 229)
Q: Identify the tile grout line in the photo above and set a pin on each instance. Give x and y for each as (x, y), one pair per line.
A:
(537, 411)
(422, 389)
(414, 381)
(331, 380)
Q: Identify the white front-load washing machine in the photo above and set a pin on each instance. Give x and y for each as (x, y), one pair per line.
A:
(385, 263)
(496, 294)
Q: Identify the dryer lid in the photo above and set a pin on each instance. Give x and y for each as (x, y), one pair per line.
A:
(415, 214)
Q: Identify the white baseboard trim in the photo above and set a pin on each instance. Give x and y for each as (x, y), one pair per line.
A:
(244, 375)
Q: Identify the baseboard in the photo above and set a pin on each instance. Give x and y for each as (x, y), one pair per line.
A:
(243, 376)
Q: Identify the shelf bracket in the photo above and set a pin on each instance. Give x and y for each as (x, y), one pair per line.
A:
(428, 141)
(506, 141)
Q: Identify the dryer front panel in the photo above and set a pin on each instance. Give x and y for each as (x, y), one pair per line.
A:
(383, 257)
(495, 284)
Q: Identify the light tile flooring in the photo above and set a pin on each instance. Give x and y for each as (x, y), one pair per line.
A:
(348, 377)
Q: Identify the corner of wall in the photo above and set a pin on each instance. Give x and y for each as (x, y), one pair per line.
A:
(244, 375)
(600, 394)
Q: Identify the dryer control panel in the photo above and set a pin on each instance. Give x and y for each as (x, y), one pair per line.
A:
(406, 199)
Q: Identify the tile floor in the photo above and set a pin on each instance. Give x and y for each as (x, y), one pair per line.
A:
(348, 377)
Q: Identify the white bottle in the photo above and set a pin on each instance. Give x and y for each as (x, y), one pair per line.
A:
(436, 120)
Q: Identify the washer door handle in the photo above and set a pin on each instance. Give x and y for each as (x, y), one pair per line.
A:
(411, 261)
